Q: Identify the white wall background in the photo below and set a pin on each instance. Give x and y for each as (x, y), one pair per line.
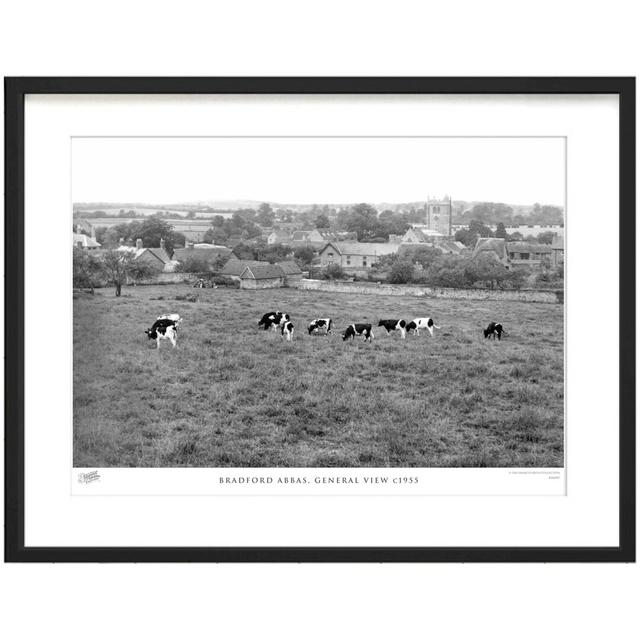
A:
(328, 38)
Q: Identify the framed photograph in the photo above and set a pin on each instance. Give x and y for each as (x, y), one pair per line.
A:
(320, 319)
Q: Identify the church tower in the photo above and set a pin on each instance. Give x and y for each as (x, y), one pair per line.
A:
(439, 213)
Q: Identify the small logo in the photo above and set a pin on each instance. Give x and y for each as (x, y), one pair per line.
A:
(86, 478)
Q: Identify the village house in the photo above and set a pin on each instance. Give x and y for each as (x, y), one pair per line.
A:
(83, 241)
(262, 276)
(522, 254)
(156, 257)
(527, 254)
(355, 255)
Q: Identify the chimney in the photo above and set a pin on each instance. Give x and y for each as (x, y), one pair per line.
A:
(139, 243)
(162, 243)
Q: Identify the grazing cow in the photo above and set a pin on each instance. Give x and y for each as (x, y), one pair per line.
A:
(320, 323)
(494, 329)
(287, 330)
(273, 320)
(392, 325)
(358, 329)
(174, 317)
(164, 329)
(422, 323)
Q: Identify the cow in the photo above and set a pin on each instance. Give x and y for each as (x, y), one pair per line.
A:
(422, 323)
(358, 329)
(318, 324)
(164, 329)
(392, 325)
(174, 317)
(287, 330)
(273, 320)
(494, 329)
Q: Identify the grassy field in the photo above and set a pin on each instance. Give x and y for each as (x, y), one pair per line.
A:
(231, 395)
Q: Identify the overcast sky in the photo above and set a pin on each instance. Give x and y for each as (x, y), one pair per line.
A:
(318, 170)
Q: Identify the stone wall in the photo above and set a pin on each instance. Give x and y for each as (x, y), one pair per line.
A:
(524, 295)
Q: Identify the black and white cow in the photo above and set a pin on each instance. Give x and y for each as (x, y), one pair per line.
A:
(358, 329)
(174, 317)
(494, 329)
(422, 323)
(273, 320)
(318, 324)
(287, 330)
(393, 325)
(164, 328)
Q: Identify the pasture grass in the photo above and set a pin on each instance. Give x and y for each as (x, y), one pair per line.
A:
(231, 395)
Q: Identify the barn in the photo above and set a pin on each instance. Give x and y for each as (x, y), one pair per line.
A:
(233, 268)
(262, 276)
(292, 272)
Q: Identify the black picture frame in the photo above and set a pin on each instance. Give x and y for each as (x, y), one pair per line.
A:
(15, 91)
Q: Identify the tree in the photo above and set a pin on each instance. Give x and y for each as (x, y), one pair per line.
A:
(265, 215)
(425, 256)
(363, 219)
(401, 271)
(501, 232)
(150, 230)
(480, 229)
(546, 237)
(322, 221)
(215, 235)
(467, 237)
(490, 212)
(120, 266)
(334, 272)
(191, 214)
(304, 255)
(486, 269)
(193, 264)
(86, 269)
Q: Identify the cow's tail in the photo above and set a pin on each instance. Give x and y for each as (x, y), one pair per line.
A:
(435, 326)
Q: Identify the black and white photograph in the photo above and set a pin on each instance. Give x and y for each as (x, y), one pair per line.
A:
(321, 301)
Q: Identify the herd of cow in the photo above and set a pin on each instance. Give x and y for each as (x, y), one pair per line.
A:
(166, 327)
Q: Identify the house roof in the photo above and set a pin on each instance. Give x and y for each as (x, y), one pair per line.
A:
(235, 267)
(87, 241)
(528, 247)
(280, 234)
(497, 245)
(206, 253)
(262, 271)
(300, 235)
(422, 234)
(290, 268)
(157, 252)
(363, 248)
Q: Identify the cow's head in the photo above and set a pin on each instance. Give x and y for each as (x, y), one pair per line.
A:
(151, 333)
